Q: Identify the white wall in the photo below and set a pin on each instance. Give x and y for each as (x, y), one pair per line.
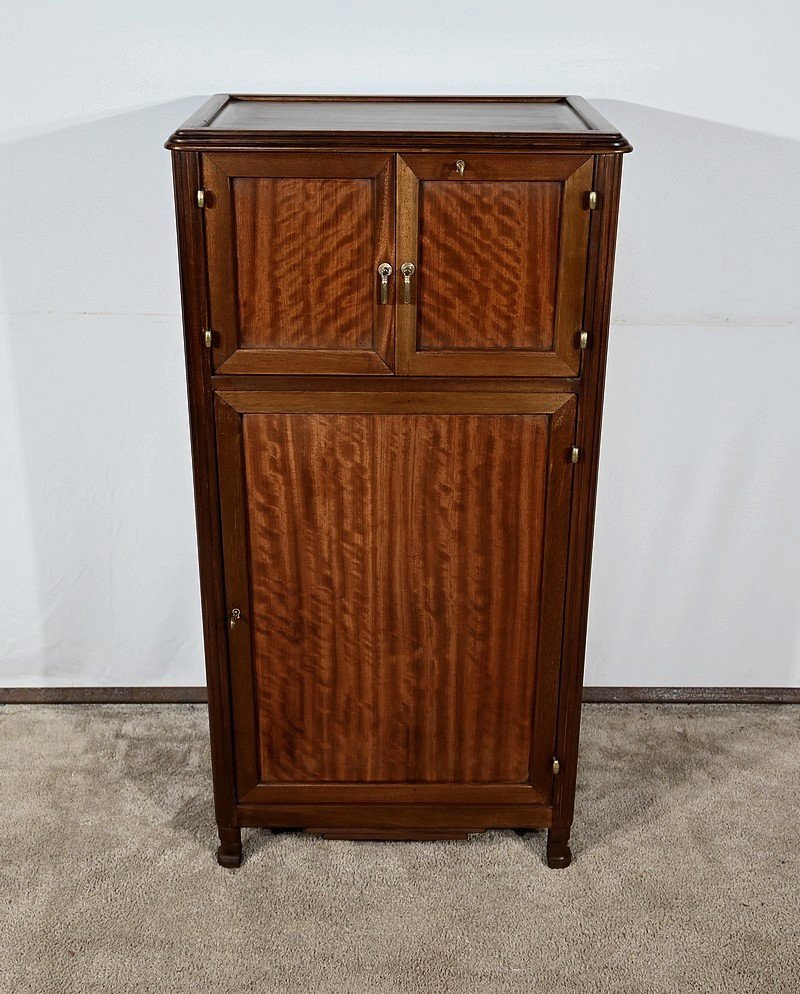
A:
(696, 578)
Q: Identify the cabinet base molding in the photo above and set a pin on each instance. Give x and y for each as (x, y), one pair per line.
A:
(559, 854)
(389, 823)
(392, 834)
(368, 819)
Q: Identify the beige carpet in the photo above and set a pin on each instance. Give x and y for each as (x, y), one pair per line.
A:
(685, 878)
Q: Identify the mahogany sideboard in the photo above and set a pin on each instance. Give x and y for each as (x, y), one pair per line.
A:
(396, 314)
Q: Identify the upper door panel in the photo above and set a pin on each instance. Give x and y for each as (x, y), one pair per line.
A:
(491, 255)
(295, 242)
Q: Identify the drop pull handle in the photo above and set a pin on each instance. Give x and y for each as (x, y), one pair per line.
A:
(236, 614)
(385, 271)
(407, 269)
(460, 166)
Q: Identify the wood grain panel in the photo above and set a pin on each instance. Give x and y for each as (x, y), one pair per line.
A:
(396, 570)
(304, 250)
(488, 264)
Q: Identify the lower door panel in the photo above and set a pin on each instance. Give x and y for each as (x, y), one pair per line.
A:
(395, 568)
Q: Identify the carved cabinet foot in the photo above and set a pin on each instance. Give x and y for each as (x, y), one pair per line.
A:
(559, 854)
(229, 853)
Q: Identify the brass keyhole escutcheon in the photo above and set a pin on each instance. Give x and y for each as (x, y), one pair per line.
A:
(460, 166)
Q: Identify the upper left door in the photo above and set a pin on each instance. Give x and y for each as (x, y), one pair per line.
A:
(298, 246)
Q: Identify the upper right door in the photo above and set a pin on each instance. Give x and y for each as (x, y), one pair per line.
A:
(491, 256)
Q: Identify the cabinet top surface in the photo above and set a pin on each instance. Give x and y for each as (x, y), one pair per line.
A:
(231, 121)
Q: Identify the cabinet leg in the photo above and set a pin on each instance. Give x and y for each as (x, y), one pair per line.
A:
(229, 853)
(559, 854)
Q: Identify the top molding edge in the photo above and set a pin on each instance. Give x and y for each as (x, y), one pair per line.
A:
(195, 134)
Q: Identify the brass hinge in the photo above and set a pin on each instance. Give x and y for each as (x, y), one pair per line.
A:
(556, 766)
(208, 338)
(575, 454)
(592, 200)
(583, 340)
(201, 198)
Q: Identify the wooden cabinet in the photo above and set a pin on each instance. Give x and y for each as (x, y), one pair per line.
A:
(396, 316)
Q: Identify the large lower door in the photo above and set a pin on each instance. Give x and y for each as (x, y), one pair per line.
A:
(395, 568)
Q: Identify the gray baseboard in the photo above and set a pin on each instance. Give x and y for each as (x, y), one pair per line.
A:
(691, 695)
(591, 695)
(102, 695)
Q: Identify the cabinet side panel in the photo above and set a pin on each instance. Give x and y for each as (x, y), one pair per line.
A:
(396, 573)
(186, 175)
(607, 178)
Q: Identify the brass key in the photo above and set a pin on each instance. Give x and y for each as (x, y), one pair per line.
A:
(385, 271)
(407, 269)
